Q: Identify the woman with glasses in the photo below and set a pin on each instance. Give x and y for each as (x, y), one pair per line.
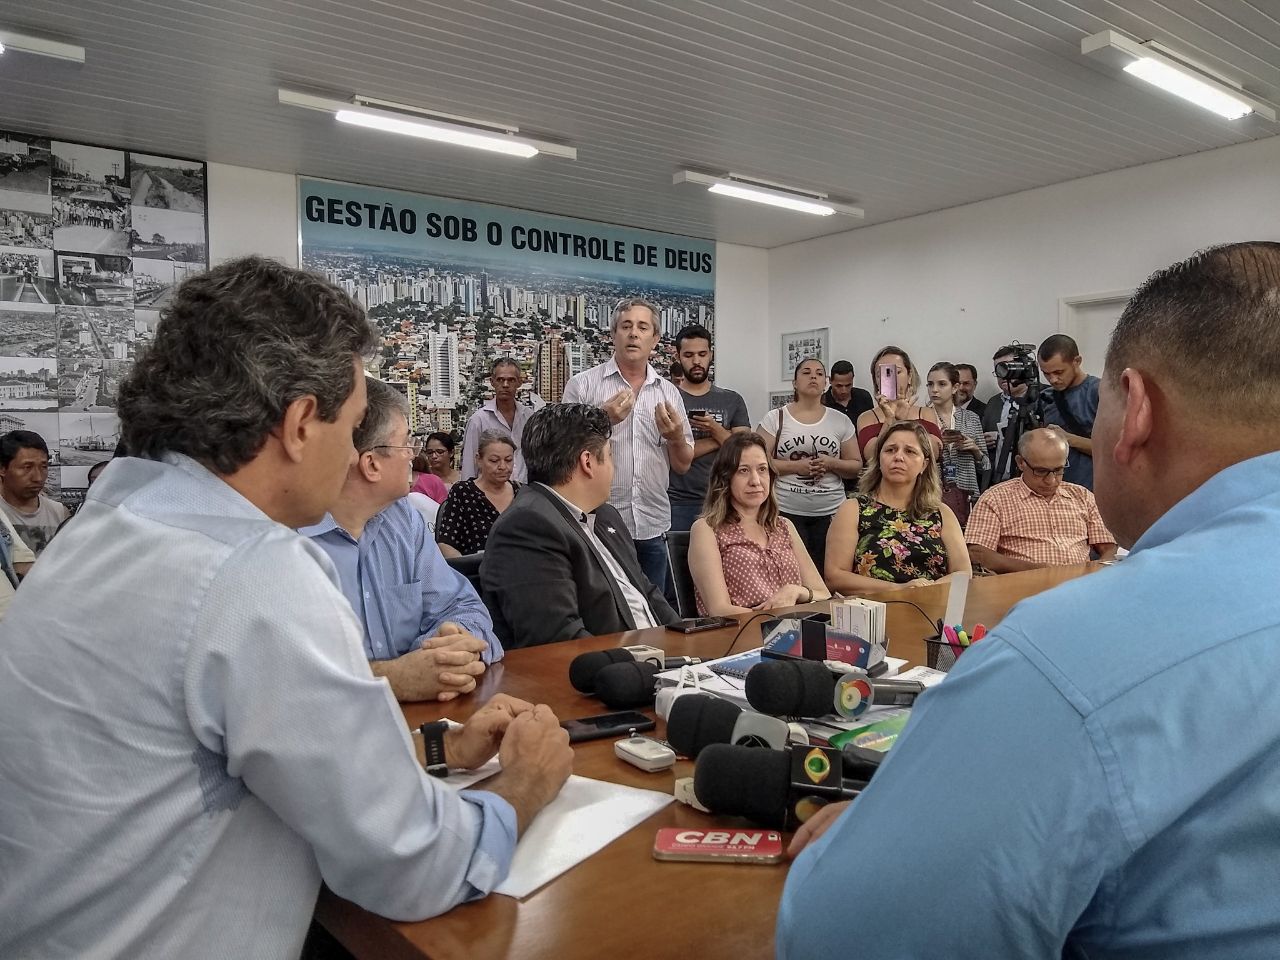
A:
(439, 454)
(897, 532)
(813, 450)
(463, 524)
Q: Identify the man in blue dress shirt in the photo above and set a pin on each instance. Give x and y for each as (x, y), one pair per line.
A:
(1100, 777)
(192, 739)
(425, 629)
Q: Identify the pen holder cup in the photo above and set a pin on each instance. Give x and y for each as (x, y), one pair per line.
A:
(939, 654)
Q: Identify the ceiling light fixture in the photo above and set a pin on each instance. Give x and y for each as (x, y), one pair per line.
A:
(429, 125)
(11, 42)
(764, 191)
(1175, 74)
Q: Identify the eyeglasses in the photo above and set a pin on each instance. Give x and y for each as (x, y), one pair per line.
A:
(1045, 472)
(414, 447)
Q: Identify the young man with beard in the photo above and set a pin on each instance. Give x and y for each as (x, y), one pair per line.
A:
(713, 412)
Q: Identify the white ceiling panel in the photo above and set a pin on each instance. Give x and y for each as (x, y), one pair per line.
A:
(902, 107)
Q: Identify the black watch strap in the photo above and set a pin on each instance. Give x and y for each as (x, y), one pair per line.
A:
(433, 747)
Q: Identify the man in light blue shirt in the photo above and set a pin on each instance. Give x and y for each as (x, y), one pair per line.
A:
(190, 737)
(1100, 777)
(425, 629)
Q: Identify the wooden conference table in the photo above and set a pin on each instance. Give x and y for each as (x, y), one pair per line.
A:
(621, 903)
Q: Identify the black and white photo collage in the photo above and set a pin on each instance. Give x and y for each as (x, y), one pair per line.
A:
(92, 242)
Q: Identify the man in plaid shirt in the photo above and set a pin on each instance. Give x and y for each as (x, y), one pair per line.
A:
(1037, 520)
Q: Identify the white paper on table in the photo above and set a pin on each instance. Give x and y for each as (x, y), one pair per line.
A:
(583, 819)
(956, 598)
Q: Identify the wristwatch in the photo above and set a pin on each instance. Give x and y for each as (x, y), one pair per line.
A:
(433, 744)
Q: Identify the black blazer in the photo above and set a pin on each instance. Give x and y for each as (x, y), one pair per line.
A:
(977, 406)
(543, 581)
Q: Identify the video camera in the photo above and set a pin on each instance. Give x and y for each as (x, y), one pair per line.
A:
(1022, 368)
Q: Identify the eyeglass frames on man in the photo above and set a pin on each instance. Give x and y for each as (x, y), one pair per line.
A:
(414, 446)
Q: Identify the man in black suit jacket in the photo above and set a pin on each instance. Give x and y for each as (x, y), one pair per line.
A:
(559, 562)
(965, 398)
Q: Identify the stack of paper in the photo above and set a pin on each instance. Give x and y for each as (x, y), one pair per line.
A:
(863, 619)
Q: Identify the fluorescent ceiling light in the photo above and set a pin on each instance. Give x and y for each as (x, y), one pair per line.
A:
(763, 191)
(1175, 74)
(439, 127)
(441, 133)
(11, 42)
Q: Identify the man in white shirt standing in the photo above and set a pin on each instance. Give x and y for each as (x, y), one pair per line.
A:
(502, 413)
(650, 437)
(24, 470)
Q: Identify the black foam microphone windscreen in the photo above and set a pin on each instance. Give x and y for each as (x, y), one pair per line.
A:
(585, 666)
(699, 719)
(627, 684)
(791, 688)
(743, 782)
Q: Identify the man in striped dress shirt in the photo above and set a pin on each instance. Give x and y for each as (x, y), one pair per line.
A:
(650, 437)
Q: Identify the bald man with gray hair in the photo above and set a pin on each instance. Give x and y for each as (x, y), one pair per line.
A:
(1036, 519)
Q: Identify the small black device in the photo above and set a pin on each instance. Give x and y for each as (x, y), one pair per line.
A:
(607, 725)
(698, 624)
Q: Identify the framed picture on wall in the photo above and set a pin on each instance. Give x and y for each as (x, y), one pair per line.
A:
(779, 398)
(799, 345)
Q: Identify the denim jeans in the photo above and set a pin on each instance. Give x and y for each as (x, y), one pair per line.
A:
(653, 561)
(683, 515)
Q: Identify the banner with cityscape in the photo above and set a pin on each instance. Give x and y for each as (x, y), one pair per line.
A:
(92, 242)
(453, 285)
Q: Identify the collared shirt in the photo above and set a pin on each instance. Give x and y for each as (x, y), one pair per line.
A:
(488, 418)
(191, 739)
(399, 584)
(1097, 778)
(860, 402)
(640, 463)
(1015, 522)
(639, 606)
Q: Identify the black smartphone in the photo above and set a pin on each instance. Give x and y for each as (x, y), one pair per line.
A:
(698, 624)
(607, 725)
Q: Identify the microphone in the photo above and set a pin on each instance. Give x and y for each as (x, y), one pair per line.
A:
(698, 720)
(774, 788)
(585, 666)
(809, 688)
(627, 684)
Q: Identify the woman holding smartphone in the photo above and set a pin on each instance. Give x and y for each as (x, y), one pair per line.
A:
(896, 384)
(897, 532)
(964, 451)
(743, 555)
(813, 449)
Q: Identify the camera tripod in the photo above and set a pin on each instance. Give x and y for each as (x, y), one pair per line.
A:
(1026, 416)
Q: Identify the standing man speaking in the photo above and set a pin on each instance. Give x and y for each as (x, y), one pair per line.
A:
(650, 437)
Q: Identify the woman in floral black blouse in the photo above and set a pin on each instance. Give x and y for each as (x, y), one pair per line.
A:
(462, 525)
(897, 532)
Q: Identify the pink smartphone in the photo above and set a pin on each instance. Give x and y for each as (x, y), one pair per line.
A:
(888, 382)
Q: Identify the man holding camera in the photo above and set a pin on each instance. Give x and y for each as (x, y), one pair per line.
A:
(1072, 404)
(1003, 406)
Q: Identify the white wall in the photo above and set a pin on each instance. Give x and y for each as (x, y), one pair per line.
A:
(957, 284)
(742, 323)
(252, 211)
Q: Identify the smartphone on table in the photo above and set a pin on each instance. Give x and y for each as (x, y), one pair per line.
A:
(607, 725)
(698, 624)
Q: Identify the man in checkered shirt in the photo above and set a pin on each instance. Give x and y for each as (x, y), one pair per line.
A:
(1037, 520)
